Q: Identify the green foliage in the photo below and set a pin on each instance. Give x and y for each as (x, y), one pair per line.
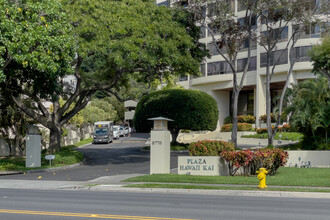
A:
(240, 127)
(228, 120)
(320, 55)
(99, 110)
(76, 120)
(35, 43)
(190, 109)
(310, 109)
(209, 148)
(132, 36)
(293, 136)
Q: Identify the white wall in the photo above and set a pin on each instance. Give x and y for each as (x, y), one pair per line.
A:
(317, 158)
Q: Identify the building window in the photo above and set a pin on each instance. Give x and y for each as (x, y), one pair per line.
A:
(300, 54)
(212, 49)
(203, 69)
(310, 31)
(183, 78)
(244, 21)
(214, 30)
(276, 57)
(217, 68)
(280, 34)
(242, 62)
(245, 44)
(203, 32)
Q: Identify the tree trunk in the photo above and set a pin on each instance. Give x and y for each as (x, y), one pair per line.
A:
(268, 101)
(175, 134)
(235, 109)
(54, 139)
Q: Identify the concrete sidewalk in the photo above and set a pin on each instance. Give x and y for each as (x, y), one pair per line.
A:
(113, 183)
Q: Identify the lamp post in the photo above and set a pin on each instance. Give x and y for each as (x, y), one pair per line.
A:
(160, 149)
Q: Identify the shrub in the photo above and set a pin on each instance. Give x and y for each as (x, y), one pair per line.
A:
(246, 119)
(263, 118)
(189, 109)
(209, 148)
(240, 127)
(227, 127)
(244, 127)
(228, 120)
(270, 158)
(241, 119)
(261, 131)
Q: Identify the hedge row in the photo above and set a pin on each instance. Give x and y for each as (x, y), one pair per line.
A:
(284, 128)
(241, 119)
(209, 148)
(240, 127)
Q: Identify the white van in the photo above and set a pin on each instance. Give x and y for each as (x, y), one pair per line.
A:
(116, 132)
(103, 132)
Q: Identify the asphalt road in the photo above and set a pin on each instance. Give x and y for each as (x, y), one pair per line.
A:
(58, 204)
(124, 156)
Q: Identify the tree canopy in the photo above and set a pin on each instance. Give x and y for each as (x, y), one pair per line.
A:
(320, 55)
(113, 40)
(36, 44)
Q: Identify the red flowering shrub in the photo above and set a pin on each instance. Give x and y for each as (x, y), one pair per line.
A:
(252, 160)
(227, 127)
(209, 148)
(286, 128)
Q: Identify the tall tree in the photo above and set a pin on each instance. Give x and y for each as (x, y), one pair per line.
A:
(320, 55)
(229, 36)
(123, 37)
(275, 16)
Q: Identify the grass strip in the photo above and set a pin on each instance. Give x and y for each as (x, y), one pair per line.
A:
(286, 136)
(66, 156)
(180, 186)
(286, 176)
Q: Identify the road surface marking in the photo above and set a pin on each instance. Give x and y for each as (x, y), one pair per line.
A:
(85, 215)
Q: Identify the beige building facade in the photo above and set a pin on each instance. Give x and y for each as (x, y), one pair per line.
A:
(217, 80)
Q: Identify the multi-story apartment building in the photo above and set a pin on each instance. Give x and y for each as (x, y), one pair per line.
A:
(216, 78)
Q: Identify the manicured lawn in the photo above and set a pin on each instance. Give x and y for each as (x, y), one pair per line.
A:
(286, 176)
(66, 156)
(287, 136)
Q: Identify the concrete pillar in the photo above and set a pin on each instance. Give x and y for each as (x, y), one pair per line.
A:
(223, 100)
(33, 148)
(260, 98)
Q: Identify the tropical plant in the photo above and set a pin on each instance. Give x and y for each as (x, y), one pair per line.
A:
(310, 109)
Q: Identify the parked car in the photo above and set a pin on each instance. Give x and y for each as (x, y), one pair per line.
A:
(126, 131)
(121, 131)
(116, 132)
